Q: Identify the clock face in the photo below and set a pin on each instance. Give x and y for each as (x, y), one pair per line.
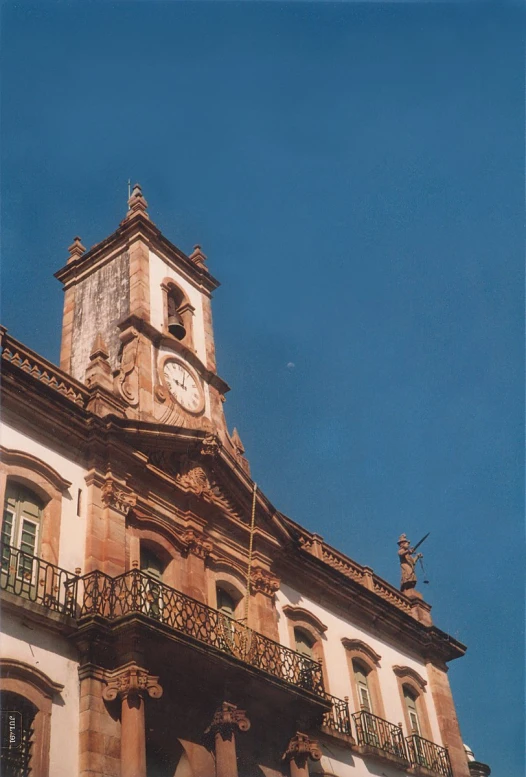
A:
(183, 386)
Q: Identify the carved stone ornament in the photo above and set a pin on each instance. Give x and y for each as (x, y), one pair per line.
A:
(116, 497)
(226, 719)
(264, 582)
(193, 477)
(210, 446)
(128, 680)
(196, 544)
(301, 748)
(128, 378)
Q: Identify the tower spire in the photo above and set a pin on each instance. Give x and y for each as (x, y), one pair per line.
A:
(136, 204)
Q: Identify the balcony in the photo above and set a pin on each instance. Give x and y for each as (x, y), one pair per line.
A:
(338, 720)
(136, 593)
(427, 758)
(65, 596)
(37, 581)
(378, 737)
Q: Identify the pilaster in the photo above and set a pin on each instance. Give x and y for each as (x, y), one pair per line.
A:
(447, 718)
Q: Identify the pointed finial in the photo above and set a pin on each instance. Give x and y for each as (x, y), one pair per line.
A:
(76, 249)
(236, 441)
(100, 349)
(197, 256)
(136, 203)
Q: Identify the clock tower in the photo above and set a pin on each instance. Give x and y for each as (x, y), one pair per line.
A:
(137, 329)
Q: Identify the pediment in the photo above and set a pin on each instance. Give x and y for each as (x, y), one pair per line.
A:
(201, 467)
(192, 476)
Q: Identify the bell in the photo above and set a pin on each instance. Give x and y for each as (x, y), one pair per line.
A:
(176, 326)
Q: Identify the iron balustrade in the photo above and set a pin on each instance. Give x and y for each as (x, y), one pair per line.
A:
(136, 592)
(338, 718)
(422, 752)
(380, 734)
(37, 580)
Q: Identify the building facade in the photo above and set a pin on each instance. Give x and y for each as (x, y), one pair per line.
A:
(161, 618)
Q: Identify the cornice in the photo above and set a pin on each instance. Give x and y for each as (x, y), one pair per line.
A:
(359, 646)
(13, 668)
(125, 234)
(13, 457)
(301, 614)
(409, 673)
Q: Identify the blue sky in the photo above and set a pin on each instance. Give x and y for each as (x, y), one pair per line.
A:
(355, 174)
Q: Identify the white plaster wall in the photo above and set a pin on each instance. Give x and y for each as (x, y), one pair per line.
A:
(159, 270)
(51, 654)
(72, 526)
(336, 664)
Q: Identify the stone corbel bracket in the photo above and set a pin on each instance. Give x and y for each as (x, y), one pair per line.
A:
(264, 582)
(196, 543)
(115, 495)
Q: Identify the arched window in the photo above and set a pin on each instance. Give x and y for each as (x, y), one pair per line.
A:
(304, 643)
(412, 687)
(151, 564)
(410, 699)
(362, 685)
(152, 567)
(225, 602)
(27, 692)
(15, 761)
(178, 313)
(20, 529)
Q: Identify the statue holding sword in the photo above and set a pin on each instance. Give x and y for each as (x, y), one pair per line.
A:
(408, 561)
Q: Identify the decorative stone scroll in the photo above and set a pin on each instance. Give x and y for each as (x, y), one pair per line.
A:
(300, 749)
(129, 680)
(264, 582)
(115, 496)
(196, 543)
(226, 719)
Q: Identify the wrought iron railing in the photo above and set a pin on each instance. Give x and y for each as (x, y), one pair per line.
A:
(136, 592)
(338, 718)
(380, 734)
(37, 580)
(422, 752)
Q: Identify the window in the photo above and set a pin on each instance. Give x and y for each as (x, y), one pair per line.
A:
(28, 691)
(153, 568)
(16, 762)
(304, 643)
(178, 312)
(225, 602)
(410, 698)
(362, 686)
(21, 529)
(150, 564)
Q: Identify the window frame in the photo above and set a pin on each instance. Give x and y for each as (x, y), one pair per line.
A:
(409, 678)
(366, 656)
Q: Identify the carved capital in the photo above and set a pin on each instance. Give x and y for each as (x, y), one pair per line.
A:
(117, 497)
(264, 582)
(226, 719)
(129, 680)
(301, 748)
(196, 544)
